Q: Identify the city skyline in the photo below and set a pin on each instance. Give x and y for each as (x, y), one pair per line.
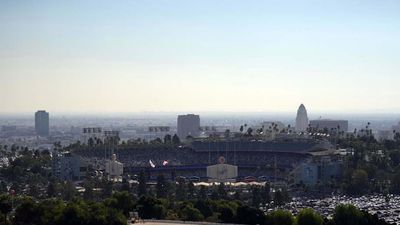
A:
(176, 56)
(200, 112)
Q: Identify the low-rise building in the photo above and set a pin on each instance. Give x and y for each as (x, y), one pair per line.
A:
(68, 166)
(320, 169)
(330, 125)
(114, 169)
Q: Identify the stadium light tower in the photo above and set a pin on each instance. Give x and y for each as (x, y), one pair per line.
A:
(112, 139)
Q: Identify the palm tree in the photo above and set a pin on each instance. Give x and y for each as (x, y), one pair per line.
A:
(249, 131)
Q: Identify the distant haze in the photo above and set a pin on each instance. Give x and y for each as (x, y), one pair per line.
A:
(200, 56)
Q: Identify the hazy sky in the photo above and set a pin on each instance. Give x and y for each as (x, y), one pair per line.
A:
(190, 56)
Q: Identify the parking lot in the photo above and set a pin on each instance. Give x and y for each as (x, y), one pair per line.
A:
(386, 207)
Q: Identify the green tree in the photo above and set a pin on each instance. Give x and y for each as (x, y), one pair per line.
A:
(107, 187)
(204, 208)
(176, 140)
(68, 191)
(52, 189)
(280, 217)
(309, 217)
(27, 213)
(256, 197)
(248, 215)
(395, 184)
(161, 187)
(279, 199)
(149, 208)
(88, 194)
(122, 201)
(5, 206)
(395, 157)
(359, 182)
(113, 217)
(167, 139)
(125, 185)
(3, 187)
(74, 213)
(191, 190)
(202, 193)
(189, 213)
(226, 213)
(249, 131)
(222, 194)
(266, 193)
(347, 215)
(214, 195)
(90, 142)
(97, 214)
(142, 188)
(50, 211)
(180, 192)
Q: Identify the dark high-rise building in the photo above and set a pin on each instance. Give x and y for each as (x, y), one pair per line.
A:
(188, 125)
(42, 123)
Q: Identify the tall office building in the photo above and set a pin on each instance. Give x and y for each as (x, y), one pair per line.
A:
(188, 125)
(301, 119)
(42, 123)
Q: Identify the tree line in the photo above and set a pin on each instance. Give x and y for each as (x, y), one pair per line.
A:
(115, 210)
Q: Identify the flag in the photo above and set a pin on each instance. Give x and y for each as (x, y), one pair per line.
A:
(152, 164)
(165, 162)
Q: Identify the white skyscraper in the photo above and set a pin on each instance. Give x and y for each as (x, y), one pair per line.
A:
(301, 119)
